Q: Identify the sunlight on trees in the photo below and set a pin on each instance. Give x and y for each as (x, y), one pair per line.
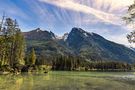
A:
(12, 44)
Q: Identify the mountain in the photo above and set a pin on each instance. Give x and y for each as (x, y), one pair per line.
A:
(78, 42)
(39, 34)
(45, 43)
(92, 46)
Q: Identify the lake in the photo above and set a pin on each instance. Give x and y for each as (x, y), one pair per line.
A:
(66, 80)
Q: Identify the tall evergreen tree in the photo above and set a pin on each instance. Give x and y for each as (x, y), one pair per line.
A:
(19, 50)
(32, 57)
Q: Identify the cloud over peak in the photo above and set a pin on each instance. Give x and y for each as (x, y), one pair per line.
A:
(100, 16)
(79, 7)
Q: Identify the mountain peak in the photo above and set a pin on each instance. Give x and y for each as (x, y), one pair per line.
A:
(37, 30)
(39, 34)
(81, 32)
(75, 29)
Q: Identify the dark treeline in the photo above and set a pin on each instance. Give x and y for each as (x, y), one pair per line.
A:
(66, 63)
(76, 63)
(106, 65)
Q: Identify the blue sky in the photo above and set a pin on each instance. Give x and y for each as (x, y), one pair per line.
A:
(60, 16)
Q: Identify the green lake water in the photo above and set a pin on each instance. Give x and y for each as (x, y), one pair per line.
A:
(64, 80)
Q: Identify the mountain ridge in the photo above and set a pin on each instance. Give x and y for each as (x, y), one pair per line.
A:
(78, 42)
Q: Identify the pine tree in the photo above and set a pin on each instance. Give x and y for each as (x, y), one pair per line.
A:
(19, 50)
(32, 57)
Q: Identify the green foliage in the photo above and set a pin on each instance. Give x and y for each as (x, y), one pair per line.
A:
(75, 63)
(66, 63)
(12, 44)
(32, 57)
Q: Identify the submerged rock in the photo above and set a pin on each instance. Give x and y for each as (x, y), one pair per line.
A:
(46, 72)
(4, 72)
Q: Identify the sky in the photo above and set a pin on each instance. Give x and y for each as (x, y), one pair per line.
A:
(103, 17)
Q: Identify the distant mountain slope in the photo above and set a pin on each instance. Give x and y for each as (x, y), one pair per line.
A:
(94, 47)
(90, 46)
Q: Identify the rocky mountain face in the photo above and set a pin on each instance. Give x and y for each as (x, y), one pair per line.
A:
(78, 42)
(39, 34)
(45, 43)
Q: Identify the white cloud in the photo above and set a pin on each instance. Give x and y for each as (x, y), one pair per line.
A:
(115, 4)
(72, 5)
(121, 39)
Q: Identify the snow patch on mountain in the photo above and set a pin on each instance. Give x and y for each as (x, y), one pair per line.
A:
(65, 36)
(85, 34)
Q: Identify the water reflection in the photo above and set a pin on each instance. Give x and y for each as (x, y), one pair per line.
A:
(67, 81)
(10, 82)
